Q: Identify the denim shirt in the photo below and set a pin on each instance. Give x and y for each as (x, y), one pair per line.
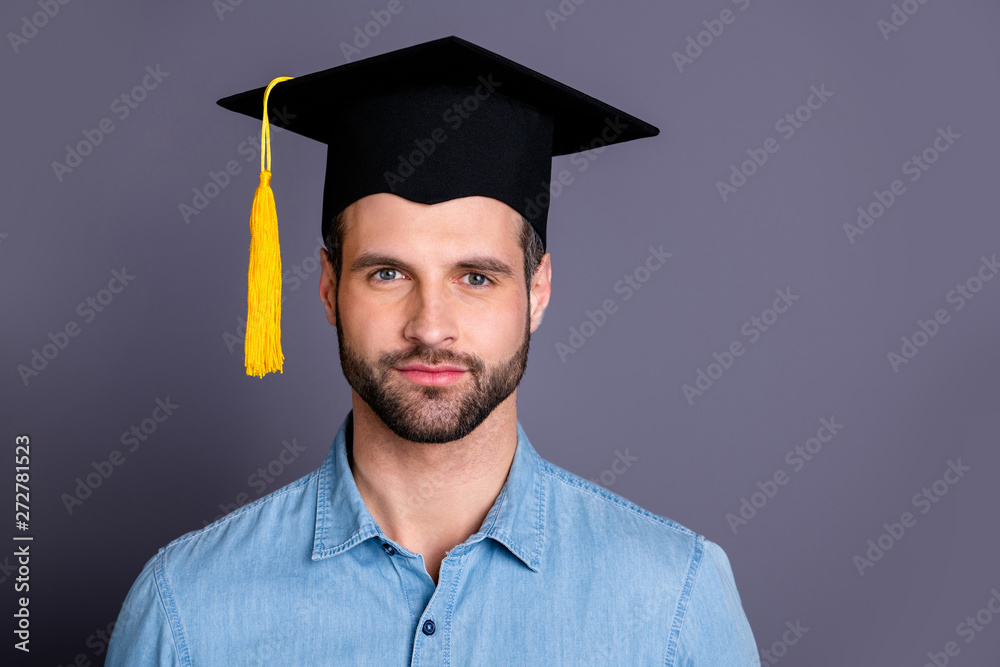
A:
(561, 572)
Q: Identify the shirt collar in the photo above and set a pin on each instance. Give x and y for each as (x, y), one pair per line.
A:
(516, 520)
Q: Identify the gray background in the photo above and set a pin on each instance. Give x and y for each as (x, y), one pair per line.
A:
(826, 357)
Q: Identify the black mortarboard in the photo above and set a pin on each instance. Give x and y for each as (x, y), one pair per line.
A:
(430, 123)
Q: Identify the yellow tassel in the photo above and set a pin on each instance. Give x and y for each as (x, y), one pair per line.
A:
(262, 348)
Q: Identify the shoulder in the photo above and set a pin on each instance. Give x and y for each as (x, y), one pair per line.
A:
(714, 628)
(278, 525)
(286, 515)
(574, 496)
(707, 624)
(191, 567)
(618, 534)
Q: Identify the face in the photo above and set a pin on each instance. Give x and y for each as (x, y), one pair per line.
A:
(432, 315)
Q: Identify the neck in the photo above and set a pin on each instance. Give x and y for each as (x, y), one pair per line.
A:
(431, 497)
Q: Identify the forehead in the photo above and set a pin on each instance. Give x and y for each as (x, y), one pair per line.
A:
(391, 223)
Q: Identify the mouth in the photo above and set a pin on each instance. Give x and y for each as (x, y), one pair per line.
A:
(432, 375)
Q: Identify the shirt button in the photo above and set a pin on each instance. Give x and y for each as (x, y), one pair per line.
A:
(428, 628)
(386, 547)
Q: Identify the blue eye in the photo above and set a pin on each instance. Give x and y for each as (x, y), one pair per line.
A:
(387, 275)
(478, 280)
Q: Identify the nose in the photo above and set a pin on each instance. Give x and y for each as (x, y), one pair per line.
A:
(431, 320)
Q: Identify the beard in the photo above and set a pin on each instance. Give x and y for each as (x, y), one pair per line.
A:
(432, 414)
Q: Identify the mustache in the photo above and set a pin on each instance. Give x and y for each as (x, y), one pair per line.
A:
(431, 357)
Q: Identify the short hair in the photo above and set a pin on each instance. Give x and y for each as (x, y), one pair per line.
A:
(531, 246)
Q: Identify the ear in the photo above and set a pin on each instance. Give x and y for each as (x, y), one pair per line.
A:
(328, 288)
(541, 290)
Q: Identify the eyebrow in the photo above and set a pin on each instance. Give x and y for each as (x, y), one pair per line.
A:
(484, 263)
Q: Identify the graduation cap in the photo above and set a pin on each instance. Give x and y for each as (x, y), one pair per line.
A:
(429, 123)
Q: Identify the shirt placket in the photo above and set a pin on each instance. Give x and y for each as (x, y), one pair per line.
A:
(430, 606)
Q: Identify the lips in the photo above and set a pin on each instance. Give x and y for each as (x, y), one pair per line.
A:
(432, 375)
(430, 369)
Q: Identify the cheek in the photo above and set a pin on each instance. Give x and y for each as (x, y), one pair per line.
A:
(497, 332)
(366, 324)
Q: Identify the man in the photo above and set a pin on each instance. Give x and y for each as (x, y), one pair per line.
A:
(434, 533)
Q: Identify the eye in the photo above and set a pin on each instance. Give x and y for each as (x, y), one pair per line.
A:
(386, 275)
(478, 280)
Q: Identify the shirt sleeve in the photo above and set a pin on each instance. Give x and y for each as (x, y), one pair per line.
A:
(715, 631)
(142, 634)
